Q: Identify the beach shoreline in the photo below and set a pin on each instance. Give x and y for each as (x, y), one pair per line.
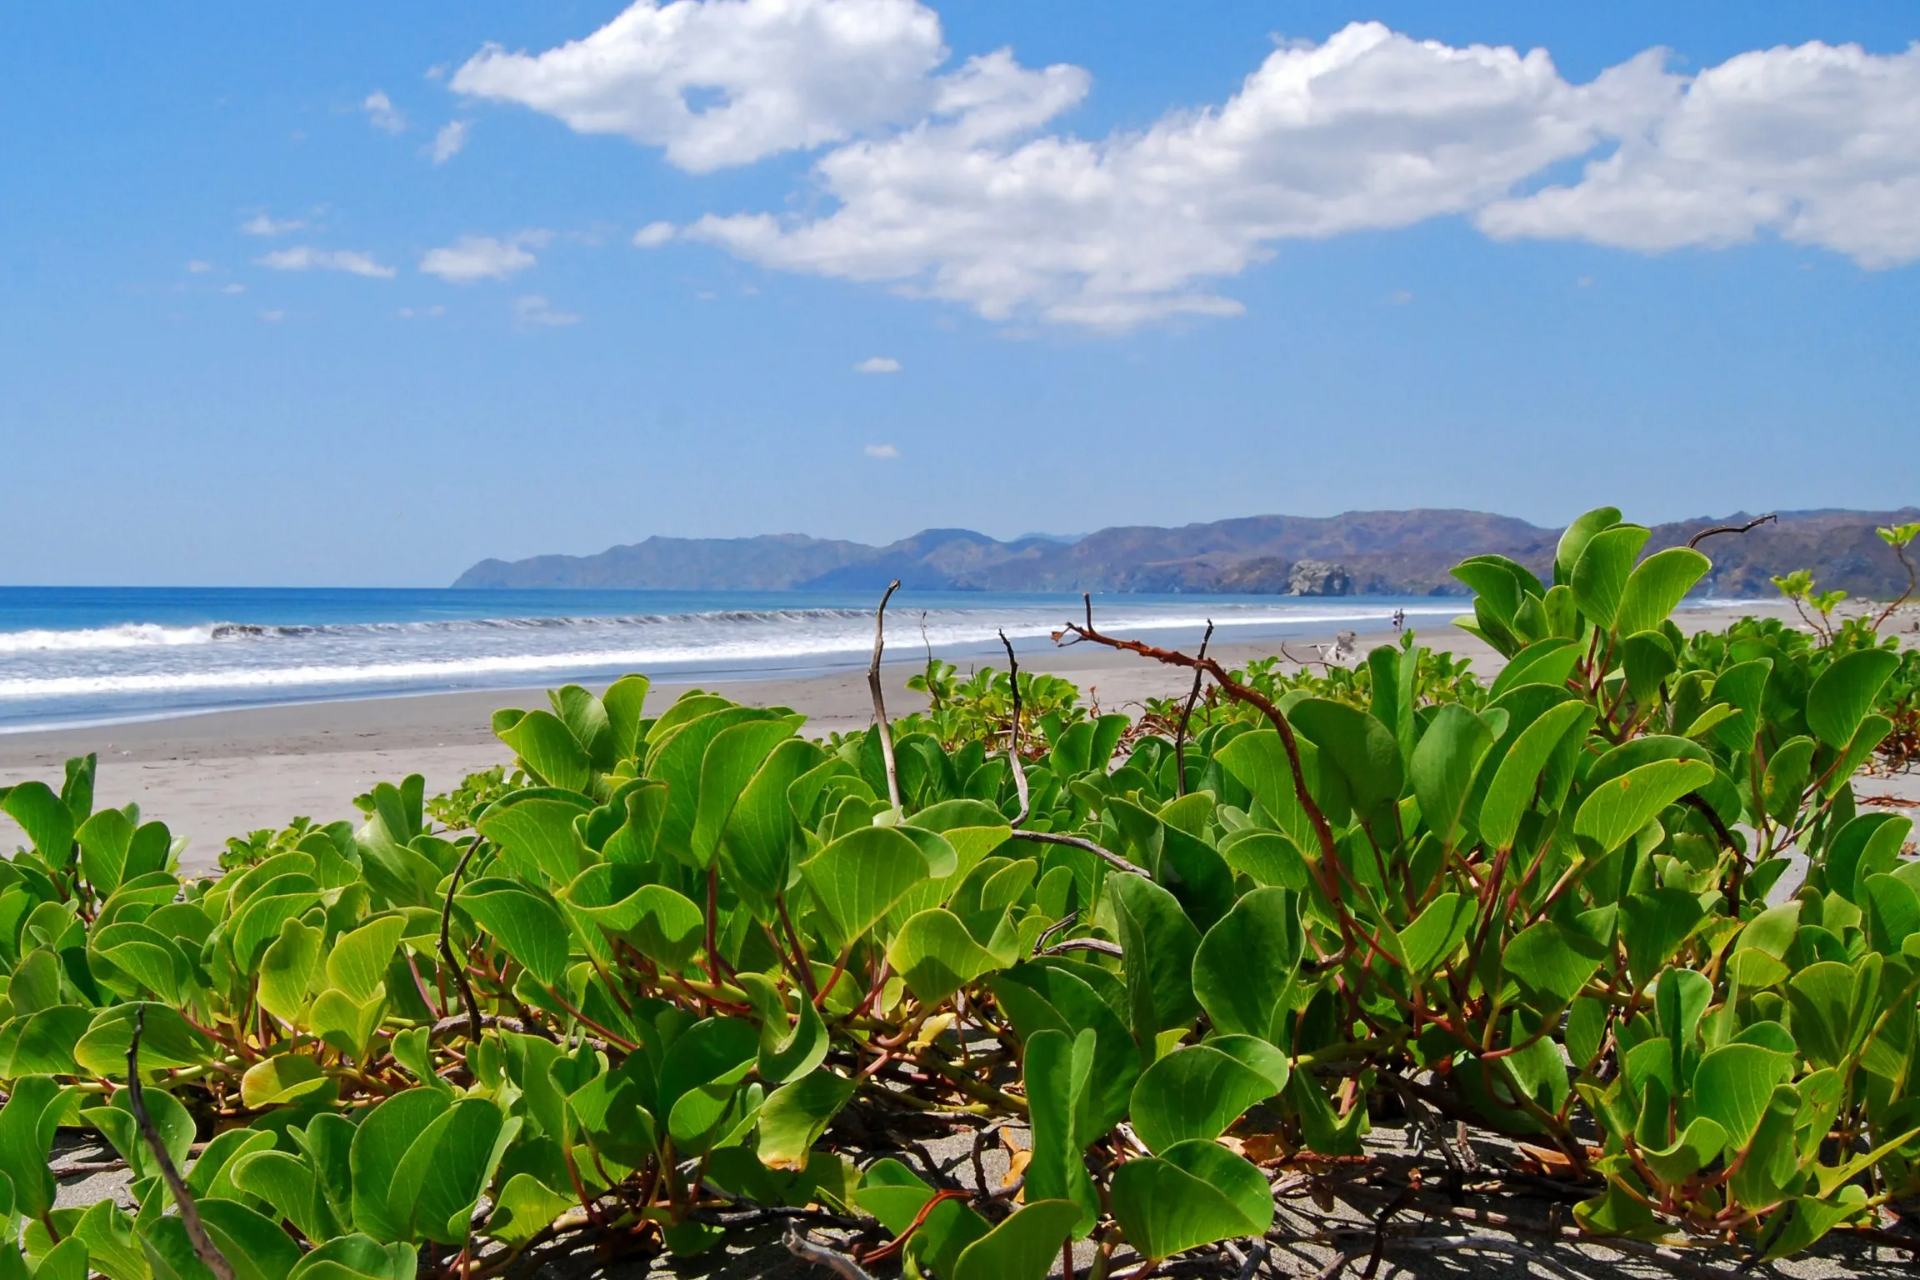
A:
(212, 775)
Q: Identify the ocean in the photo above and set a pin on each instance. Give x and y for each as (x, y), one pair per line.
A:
(99, 655)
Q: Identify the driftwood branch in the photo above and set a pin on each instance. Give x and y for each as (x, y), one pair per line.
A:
(203, 1245)
(1186, 714)
(1084, 944)
(879, 701)
(820, 1256)
(1013, 734)
(474, 1021)
(1113, 859)
(1755, 523)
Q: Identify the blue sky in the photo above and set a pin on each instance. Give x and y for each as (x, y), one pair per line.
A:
(358, 294)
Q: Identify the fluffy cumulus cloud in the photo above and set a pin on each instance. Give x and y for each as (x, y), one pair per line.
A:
(961, 183)
(261, 224)
(449, 141)
(1818, 144)
(382, 114)
(723, 82)
(305, 257)
(471, 258)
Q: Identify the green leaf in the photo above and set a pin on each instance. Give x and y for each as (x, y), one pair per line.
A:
(762, 836)
(529, 927)
(47, 821)
(1057, 1071)
(1617, 809)
(379, 1145)
(168, 1041)
(1160, 943)
(1360, 747)
(1657, 586)
(1733, 1084)
(795, 1115)
(936, 955)
(733, 758)
(1511, 792)
(287, 970)
(1844, 693)
(1437, 933)
(285, 1182)
(111, 1248)
(525, 1207)
(279, 1079)
(1192, 1194)
(787, 1050)
(549, 750)
(1443, 766)
(1245, 964)
(668, 927)
(253, 1243)
(1023, 1247)
(859, 877)
(1551, 963)
(358, 1255)
(442, 1175)
(28, 1122)
(104, 840)
(1197, 1091)
(1599, 577)
(536, 833)
(1574, 541)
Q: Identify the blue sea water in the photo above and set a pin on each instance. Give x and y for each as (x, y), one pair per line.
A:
(88, 655)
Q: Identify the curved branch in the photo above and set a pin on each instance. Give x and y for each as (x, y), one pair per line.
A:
(1755, 523)
(1077, 842)
(879, 703)
(1013, 735)
(203, 1245)
(1186, 714)
(474, 1021)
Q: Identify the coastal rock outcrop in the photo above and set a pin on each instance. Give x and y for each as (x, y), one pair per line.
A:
(1319, 578)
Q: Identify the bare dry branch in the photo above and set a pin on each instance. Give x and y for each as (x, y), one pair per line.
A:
(1755, 523)
(1186, 714)
(1013, 734)
(879, 701)
(820, 1256)
(459, 970)
(203, 1245)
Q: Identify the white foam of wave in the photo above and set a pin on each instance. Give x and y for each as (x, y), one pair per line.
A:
(788, 645)
(132, 635)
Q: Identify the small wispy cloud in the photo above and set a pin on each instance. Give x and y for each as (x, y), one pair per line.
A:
(428, 313)
(1401, 297)
(264, 225)
(233, 288)
(450, 140)
(197, 267)
(471, 258)
(382, 114)
(305, 257)
(878, 364)
(536, 310)
(273, 317)
(654, 234)
(884, 451)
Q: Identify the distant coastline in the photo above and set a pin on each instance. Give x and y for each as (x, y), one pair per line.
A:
(1359, 553)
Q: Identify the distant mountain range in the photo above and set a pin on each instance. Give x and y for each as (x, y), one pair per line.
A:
(1357, 553)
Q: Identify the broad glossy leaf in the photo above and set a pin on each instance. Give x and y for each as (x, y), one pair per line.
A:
(1733, 1084)
(762, 836)
(1574, 541)
(859, 877)
(529, 926)
(936, 955)
(1160, 943)
(1656, 587)
(537, 835)
(1617, 809)
(1192, 1194)
(525, 1207)
(1843, 695)
(47, 820)
(288, 968)
(795, 1115)
(1599, 577)
(1196, 1091)
(1437, 932)
(1245, 964)
(1443, 766)
(280, 1079)
(1023, 1247)
(733, 758)
(549, 750)
(379, 1145)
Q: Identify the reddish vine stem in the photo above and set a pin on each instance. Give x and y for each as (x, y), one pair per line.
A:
(1322, 830)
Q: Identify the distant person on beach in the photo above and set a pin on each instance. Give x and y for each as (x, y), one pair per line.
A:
(1399, 620)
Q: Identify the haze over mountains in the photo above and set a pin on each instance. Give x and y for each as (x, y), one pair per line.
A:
(1356, 553)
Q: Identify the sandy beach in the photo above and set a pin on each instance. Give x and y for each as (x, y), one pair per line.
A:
(225, 773)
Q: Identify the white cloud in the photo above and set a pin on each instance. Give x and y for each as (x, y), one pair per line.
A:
(448, 142)
(1817, 144)
(960, 183)
(471, 258)
(197, 267)
(884, 451)
(536, 310)
(878, 364)
(654, 234)
(273, 317)
(410, 313)
(1401, 297)
(233, 288)
(263, 225)
(382, 114)
(724, 82)
(305, 257)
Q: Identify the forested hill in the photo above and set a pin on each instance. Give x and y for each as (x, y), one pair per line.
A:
(1356, 553)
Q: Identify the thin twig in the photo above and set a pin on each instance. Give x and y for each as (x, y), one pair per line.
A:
(1755, 523)
(203, 1245)
(1054, 837)
(820, 1256)
(879, 702)
(1186, 714)
(1013, 734)
(1084, 944)
(474, 1021)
